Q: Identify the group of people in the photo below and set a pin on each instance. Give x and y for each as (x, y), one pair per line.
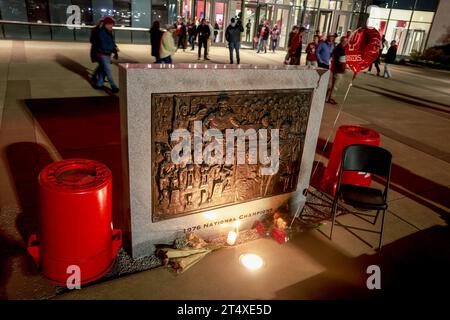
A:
(327, 54)
(319, 52)
(201, 31)
(389, 58)
(163, 42)
(265, 32)
(323, 53)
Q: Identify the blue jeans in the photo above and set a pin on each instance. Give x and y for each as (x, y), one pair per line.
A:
(234, 46)
(167, 60)
(274, 44)
(262, 42)
(104, 68)
(387, 70)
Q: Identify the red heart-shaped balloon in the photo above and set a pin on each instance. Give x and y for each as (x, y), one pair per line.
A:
(363, 49)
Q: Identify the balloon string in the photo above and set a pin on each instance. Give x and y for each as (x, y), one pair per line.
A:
(334, 125)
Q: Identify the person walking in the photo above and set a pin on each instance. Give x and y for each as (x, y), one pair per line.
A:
(93, 52)
(203, 34)
(155, 40)
(181, 34)
(216, 31)
(233, 36)
(105, 46)
(295, 49)
(289, 43)
(274, 36)
(338, 67)
(248, 28)
(317, 33)
(211, 36)
(311, 58)
(167, 47)
(376, 63)
(263, 32)
(191, 33)
(324, 51)
(384, 43)
(389, 59)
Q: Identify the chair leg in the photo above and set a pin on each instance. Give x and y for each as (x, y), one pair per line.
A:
(382, 230)
(333, 213)
(376, 217)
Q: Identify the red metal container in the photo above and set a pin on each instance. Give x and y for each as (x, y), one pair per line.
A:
(75, 221)
(347, 135)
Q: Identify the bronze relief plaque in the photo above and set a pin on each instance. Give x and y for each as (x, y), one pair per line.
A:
(187, 188)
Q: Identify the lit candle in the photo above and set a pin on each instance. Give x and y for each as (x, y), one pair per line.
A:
(231, 239)
(236, 225)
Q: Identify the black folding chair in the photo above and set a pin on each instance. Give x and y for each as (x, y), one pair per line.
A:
(369, 159)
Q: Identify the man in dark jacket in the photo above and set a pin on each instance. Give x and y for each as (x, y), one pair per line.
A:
(181, 34)
(191, 29)
(296, 46)
(94, 43)
(338, 66)
(203, 33)
(105, 46)
(155, 39)
(94, 40)
(233, 36)
(248, 28)
(389, 59)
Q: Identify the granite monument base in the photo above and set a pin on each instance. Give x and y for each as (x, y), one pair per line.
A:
(156, 99)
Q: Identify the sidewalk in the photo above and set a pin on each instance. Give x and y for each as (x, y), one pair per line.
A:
(411, 111)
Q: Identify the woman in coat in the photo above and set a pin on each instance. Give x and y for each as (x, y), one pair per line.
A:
(155, 40)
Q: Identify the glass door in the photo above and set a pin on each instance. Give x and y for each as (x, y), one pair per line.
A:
(341, 23)
(202, 10)
(250, 23)
(324, 22)
(261, 16)
(208, 12)
(414, 41)
(281, 19)
(219, 21)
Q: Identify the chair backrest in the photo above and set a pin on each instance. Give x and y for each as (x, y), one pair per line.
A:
(367, 158)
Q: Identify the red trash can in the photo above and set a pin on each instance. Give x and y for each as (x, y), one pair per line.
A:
(75, 221)
(347, 135)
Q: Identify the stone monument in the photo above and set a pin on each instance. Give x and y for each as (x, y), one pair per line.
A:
(164, 198)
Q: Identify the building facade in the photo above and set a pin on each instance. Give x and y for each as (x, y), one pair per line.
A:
(407, 21)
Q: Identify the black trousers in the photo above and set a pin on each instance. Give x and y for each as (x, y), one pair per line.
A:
(377, 66)
(181, 42)
(323, 65)
(202, 42)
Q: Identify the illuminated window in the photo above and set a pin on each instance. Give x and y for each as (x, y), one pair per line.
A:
(37, 11)
(403, 4)
(382, 3)
(397, 14)
(15, 10)
(423, 16)
(122, 12)
(86, 11)
(426, 5)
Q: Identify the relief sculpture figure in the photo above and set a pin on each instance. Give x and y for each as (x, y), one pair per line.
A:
(190, 187)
